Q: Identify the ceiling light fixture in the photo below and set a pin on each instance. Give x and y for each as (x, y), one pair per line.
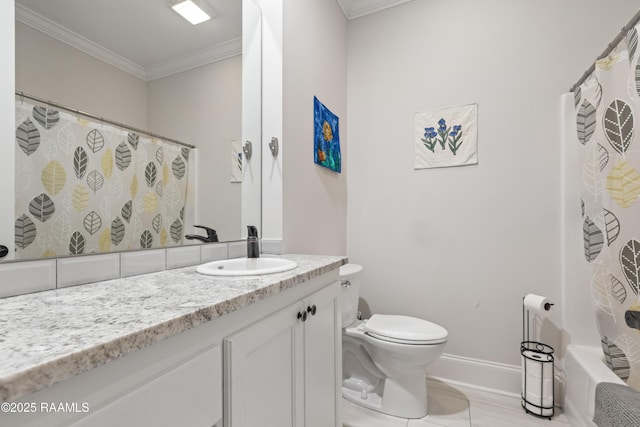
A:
(190, 11)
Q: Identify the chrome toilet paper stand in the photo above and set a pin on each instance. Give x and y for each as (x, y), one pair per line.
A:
(538, 355)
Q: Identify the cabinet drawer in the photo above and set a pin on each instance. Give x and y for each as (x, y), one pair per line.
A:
(189, 394)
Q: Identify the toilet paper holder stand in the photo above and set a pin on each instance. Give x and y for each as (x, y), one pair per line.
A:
(537, 365)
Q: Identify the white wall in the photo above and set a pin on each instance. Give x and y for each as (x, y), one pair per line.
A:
(7, 125)
(251, 196)
(50, 69)
(315, 57)
(203, 107)
(462, 246)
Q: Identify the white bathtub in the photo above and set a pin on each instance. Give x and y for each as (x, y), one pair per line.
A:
(584, 368)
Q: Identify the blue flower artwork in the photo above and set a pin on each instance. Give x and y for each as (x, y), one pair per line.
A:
(454, 136)
(446, 137)
(326, 145)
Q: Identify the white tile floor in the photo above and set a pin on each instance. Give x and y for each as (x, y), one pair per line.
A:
(456, 406)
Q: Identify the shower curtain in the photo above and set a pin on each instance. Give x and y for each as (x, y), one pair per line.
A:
(607, 108)
(88, 187)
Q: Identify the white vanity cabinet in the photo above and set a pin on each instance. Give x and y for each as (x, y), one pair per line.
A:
(189, 394)
(323, 359)
(275, 361)
(285, 369)
(176, 382)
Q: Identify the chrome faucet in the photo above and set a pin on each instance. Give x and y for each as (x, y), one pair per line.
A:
(211, 236)
(253, 246)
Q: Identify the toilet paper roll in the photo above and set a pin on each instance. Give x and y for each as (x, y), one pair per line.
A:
(536, 385)
(538, 304)
(538, 411)
(535, 399)
(536, 365)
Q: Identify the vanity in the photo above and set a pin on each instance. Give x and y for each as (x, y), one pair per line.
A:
(177, 348)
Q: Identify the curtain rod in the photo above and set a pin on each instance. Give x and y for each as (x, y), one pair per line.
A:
(111, 122)
(610, 47)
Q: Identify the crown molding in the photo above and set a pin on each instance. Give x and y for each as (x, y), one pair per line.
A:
(196, 59)
(202, 57)
(63, 34)
(354, 9)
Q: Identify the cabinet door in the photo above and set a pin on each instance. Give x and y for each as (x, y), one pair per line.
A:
(187, 394)
(263, 372)
(323, 358)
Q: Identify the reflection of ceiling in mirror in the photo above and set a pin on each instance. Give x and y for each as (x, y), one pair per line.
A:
(143, 37)
(353, 9)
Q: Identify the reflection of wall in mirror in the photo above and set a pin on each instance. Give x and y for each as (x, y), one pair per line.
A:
(50, 69)
(200, 107)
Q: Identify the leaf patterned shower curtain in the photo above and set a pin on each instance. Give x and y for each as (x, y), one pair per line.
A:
(86, 187)
(607, 114)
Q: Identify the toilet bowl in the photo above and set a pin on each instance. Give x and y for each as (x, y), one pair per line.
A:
(385, 357)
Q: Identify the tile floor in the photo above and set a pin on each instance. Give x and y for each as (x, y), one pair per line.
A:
(456, 406)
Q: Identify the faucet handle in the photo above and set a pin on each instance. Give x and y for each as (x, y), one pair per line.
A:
(212, 235)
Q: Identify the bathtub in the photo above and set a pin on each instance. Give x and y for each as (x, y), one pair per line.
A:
(584, 368)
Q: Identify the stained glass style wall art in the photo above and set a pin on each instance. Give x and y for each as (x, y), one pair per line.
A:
(326, 146)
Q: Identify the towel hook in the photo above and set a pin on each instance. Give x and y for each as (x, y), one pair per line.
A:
(247, 150)
(273, 146)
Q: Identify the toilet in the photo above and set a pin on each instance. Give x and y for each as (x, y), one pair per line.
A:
(385, 357)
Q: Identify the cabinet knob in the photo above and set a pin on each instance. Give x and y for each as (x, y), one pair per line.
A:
(302, 315)
(312, 309)
(4, 251)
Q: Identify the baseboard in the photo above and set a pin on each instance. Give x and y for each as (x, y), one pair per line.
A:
(483, 375)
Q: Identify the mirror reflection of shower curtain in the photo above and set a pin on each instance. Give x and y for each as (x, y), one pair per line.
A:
(607, 110)
(88, 187)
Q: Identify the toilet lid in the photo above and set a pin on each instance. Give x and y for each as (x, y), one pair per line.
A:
(406, 329)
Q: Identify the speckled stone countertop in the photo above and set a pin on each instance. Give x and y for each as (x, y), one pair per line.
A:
(50, 336)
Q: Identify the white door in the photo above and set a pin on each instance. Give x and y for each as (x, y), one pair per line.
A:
(263, 372)
(323, 358)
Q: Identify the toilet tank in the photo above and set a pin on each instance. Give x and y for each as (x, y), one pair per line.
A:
(350, 278)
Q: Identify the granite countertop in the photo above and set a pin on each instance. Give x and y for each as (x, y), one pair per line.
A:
(50, 336)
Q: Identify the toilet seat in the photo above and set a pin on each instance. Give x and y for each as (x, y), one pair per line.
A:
(404, 330)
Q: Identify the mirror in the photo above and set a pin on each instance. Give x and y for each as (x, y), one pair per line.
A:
(163, 75)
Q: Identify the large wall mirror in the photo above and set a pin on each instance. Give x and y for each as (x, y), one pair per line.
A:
(141, 64)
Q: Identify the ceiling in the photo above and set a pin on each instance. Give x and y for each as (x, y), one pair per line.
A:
(143, 37)
(148, 39)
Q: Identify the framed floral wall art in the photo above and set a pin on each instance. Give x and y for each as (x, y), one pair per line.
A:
(446, 137)
(326, 138)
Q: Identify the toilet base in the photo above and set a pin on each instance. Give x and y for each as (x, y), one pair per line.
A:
(406, 398)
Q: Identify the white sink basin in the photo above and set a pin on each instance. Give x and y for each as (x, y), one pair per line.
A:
(246, 266)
